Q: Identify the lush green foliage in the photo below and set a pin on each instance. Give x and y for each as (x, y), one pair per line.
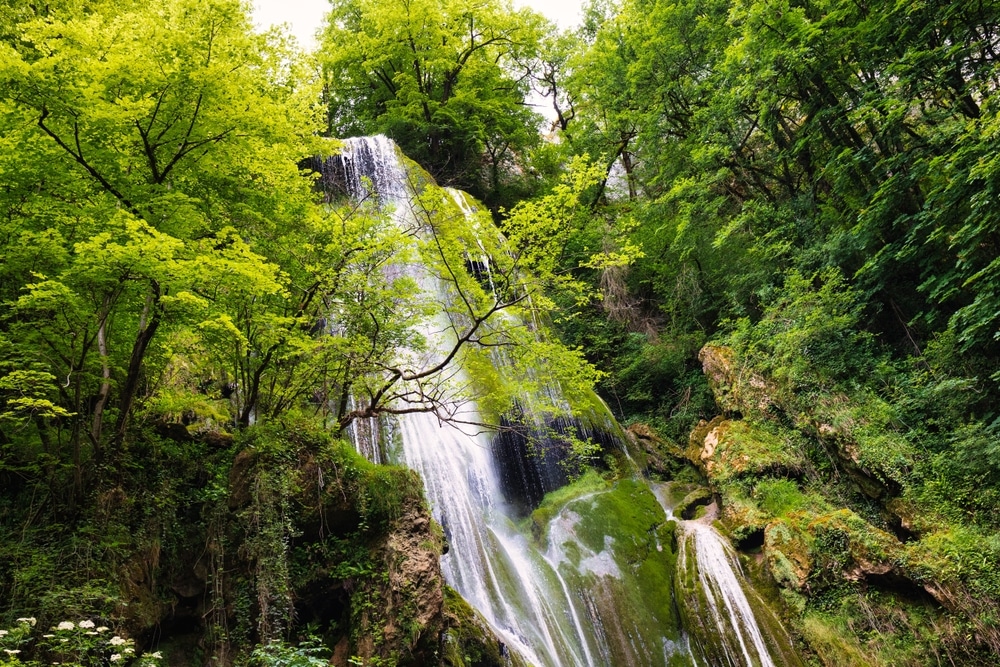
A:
(810, 182)
(168, 280)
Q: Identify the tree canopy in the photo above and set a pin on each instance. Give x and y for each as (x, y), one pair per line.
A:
(446, 79)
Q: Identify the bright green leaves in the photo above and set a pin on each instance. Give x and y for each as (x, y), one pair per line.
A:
(27, 394)
(129, 250)
(809, 338)
(806, 135)
(150, 168)
(144, 103)
(545, 234)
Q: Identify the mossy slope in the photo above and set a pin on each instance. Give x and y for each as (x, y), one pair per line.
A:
(875, 573)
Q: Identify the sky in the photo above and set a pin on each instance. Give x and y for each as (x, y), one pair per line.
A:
(304, 16)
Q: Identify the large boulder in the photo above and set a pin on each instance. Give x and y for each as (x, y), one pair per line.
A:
(810, 551)
(736, 390)
(725, 450)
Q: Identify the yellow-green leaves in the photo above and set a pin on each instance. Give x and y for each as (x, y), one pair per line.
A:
(540, 232)
(145, 103)
(27, 394)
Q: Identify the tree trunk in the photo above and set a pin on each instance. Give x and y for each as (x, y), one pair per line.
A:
(148, 325)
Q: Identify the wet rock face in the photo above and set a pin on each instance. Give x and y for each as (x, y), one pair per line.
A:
(468, 640)
(408, 614)
(370, 567)
(392, 608)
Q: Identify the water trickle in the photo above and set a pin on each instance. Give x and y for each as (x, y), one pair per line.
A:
(712, 591)
(722, 583)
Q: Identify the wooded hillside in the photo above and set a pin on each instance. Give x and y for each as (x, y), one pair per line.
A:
(772, 225)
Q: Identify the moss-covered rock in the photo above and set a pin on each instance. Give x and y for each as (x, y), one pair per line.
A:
(727, 450)
(468, 641)
(879, 561)
(736, 392)
(616, 552)
(689, 504)
(657, 457)
(742, 516)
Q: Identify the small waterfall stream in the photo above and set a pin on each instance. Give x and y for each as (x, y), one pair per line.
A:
(722, 582)
(727, 628)
(558, 604)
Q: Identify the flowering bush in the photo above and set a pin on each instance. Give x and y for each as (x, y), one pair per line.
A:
(80, 644)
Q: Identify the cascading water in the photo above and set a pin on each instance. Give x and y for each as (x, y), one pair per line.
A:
(577, 599)
(722, 589)
(490, 564)
(712, 590)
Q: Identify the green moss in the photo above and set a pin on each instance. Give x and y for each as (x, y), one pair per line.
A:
(778, 496)
(379, 493)
(468, 640)
(835, 645)
(749, 450)
(554, 501)
(693, 504)
(741, 515)
(629, 520)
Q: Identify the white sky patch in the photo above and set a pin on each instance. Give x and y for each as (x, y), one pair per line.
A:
(564, 13)
(303, 17)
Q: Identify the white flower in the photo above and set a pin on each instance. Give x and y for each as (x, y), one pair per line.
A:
(48, 636)
(11, 651)
(128, 649)
(116, 641)
(115, 657)
(156, 655)
(65, 625)
(86, 624)
(91, 632)
(27, 619)
(103, 628)
(3, 632)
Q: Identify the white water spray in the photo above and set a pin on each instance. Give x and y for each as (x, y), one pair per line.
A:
(705, 556)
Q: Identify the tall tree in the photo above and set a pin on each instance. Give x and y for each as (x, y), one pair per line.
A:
(446, 79)
(135, 137)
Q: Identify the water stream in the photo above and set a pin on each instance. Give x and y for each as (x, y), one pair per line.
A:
(729, 624)
(489, 562)
(575, 597)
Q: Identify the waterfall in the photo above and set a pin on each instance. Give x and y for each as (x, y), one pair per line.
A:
(721, 581)
(576, 596)
(491, 564)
